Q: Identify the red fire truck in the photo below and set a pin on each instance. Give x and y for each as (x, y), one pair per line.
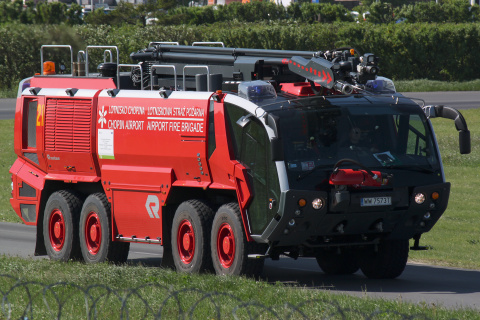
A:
(228, 156)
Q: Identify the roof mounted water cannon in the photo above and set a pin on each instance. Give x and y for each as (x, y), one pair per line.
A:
(368, 68)
(343, 87)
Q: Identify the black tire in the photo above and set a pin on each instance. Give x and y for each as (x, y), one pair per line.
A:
(60, 225)
(189, 238)
(229, 245)
(387, 262)
(96, 232)
(338, 263)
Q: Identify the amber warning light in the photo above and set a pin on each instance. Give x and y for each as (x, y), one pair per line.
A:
(48, 68)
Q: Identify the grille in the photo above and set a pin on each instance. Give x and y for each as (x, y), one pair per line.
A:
(68, 125)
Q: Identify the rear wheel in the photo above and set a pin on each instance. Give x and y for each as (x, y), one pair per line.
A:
(60, 225)
(229, 245)
(96, 235)
(334, 262)
(386, 262)
(190, 233)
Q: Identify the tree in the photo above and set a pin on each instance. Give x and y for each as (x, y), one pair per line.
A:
(74, 14)
(51, 13)
(28, 15)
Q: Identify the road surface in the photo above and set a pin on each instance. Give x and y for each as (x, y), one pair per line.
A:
(450, 287)
(7, 109)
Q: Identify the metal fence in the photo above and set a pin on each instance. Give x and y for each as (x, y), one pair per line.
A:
(27, 300)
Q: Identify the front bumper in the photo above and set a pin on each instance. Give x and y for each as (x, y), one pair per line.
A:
(346, 222)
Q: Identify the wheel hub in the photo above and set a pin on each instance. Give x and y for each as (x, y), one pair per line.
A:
(226, 245)
(186, 241)
(56, 230)
(93, 233)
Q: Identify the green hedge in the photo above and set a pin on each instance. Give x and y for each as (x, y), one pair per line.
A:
(407, 51)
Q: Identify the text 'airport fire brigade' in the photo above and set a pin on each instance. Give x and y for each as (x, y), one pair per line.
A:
(228, 156)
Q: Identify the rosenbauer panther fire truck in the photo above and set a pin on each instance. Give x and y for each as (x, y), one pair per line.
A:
(228, 156)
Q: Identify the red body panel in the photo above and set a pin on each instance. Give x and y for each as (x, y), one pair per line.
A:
(220, 165)
(300, 89)
(72, 82)
(130, 214)
(153, 133)
(26, 177)
(136, 144)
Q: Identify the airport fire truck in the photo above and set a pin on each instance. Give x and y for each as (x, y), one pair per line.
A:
(226, 157)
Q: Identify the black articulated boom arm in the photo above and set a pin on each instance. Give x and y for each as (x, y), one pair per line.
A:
(338, 69)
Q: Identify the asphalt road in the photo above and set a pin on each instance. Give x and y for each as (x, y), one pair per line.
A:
(457, 99)
(7, 109)
(460, 100)
(450, 287)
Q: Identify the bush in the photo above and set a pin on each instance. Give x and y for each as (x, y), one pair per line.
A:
(407, 51)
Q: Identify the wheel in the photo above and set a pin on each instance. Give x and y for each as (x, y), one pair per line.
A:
(333, 262)
(229, 245)
(96, 235)
(388, 262)
(60, 225)
(190, 233)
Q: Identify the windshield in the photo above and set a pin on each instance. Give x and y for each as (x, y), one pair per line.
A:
(381, 137)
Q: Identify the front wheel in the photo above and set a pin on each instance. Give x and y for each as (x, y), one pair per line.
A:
(95, 232)
(386, 262)
(338, 263)
(229, 245)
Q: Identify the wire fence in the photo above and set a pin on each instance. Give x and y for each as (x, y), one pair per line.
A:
(28, 300)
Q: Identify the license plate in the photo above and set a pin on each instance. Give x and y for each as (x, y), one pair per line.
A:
(376, 201)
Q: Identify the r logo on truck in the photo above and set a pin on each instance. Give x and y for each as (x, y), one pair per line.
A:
(152, 205)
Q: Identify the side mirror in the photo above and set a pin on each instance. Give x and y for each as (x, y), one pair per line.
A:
(460, 124)
(464, 141)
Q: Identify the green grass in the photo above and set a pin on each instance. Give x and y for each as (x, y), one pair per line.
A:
(455, 239)
(7, 157)
(140, 288)
(424, 85)
(8, 93)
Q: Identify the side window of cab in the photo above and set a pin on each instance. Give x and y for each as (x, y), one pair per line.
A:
(252, 148)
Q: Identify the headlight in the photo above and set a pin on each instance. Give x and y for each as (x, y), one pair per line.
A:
(419, 198)
(317, 204)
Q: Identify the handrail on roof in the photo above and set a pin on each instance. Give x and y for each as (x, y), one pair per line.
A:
(56, 46)
(195, 66)
(163, 66)
(99, 47)
(133, 66)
